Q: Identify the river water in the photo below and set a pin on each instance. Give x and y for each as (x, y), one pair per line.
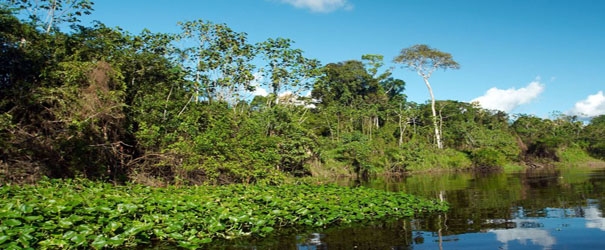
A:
(553, 209)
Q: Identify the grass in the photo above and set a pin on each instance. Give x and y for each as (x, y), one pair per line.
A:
(574, 155)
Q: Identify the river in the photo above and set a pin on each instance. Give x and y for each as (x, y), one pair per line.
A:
(552, 209)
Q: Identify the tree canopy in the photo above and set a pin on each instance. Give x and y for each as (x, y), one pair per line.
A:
(175, 109)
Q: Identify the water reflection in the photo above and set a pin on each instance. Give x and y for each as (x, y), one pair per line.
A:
(594, 218)
(533, 231)
(520, 232)
(526, 230)
(532, 210)
(310, 242)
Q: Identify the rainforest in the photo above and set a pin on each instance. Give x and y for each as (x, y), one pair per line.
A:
(85, 106)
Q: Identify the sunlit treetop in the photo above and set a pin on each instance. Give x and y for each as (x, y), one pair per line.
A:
(425, 60)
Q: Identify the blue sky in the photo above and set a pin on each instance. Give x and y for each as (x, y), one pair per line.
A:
(520, 56)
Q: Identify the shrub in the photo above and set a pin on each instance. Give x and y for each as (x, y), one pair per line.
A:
(573, 154)
(488, 157)
(418, 157)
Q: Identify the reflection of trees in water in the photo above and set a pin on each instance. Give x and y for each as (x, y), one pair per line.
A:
(517, 227)
(541, 179)
(387, 235)
(481, 207)
(512, 206)
(493, 201)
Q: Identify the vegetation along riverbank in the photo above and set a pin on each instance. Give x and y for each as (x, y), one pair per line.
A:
(156, 109)
(79, 213)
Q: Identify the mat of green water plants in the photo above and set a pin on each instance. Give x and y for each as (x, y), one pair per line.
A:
(77, 213)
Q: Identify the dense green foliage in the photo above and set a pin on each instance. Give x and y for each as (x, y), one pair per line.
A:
(161, 109)
(85, 214)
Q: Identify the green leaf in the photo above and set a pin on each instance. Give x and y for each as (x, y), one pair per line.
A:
(137, 228)
(99, 242)
(49, 225)
(65, 223)
(159, 233)
(12, 222)
(26, 208)
(3, 238)
(25, 240)
(113, 226)
(33, 218)
(69, 234)
(260, 222)
(116, 240)
(78, 239)
(106, 210)
(267, 229)
(176, 236)
(10, 214)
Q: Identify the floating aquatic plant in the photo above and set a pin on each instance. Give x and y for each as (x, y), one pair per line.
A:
(85, 214)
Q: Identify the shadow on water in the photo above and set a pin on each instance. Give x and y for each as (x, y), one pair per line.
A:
(554, 209)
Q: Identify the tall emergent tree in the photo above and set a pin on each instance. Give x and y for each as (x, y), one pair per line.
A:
(286, 68)
(47, 14)
(218, 61)
(425, 60)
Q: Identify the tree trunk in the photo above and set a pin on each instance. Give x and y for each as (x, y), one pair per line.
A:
(401, 129)
(401, 125)
(51, 16)
(437, 131)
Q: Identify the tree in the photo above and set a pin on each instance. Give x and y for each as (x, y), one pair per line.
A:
(425, 60)
(391, 86)
(62, 100)
(347, 84)
(47, 14)
(286, 67)
(219, 60)
(374, 62)
(594, 136)
(539, 137)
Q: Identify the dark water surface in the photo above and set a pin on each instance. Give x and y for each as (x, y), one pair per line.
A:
(556, 209)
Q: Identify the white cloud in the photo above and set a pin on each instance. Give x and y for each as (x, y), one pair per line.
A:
(320, 5)
(508, 99)
(258, 90)
(593, 105)
(288, 97)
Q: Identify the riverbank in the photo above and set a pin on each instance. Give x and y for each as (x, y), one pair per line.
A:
(447, 161)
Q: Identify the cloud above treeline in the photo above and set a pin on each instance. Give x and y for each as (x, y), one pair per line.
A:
(323, 6)
(593, 105)
(508, 99)
(258, 90)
